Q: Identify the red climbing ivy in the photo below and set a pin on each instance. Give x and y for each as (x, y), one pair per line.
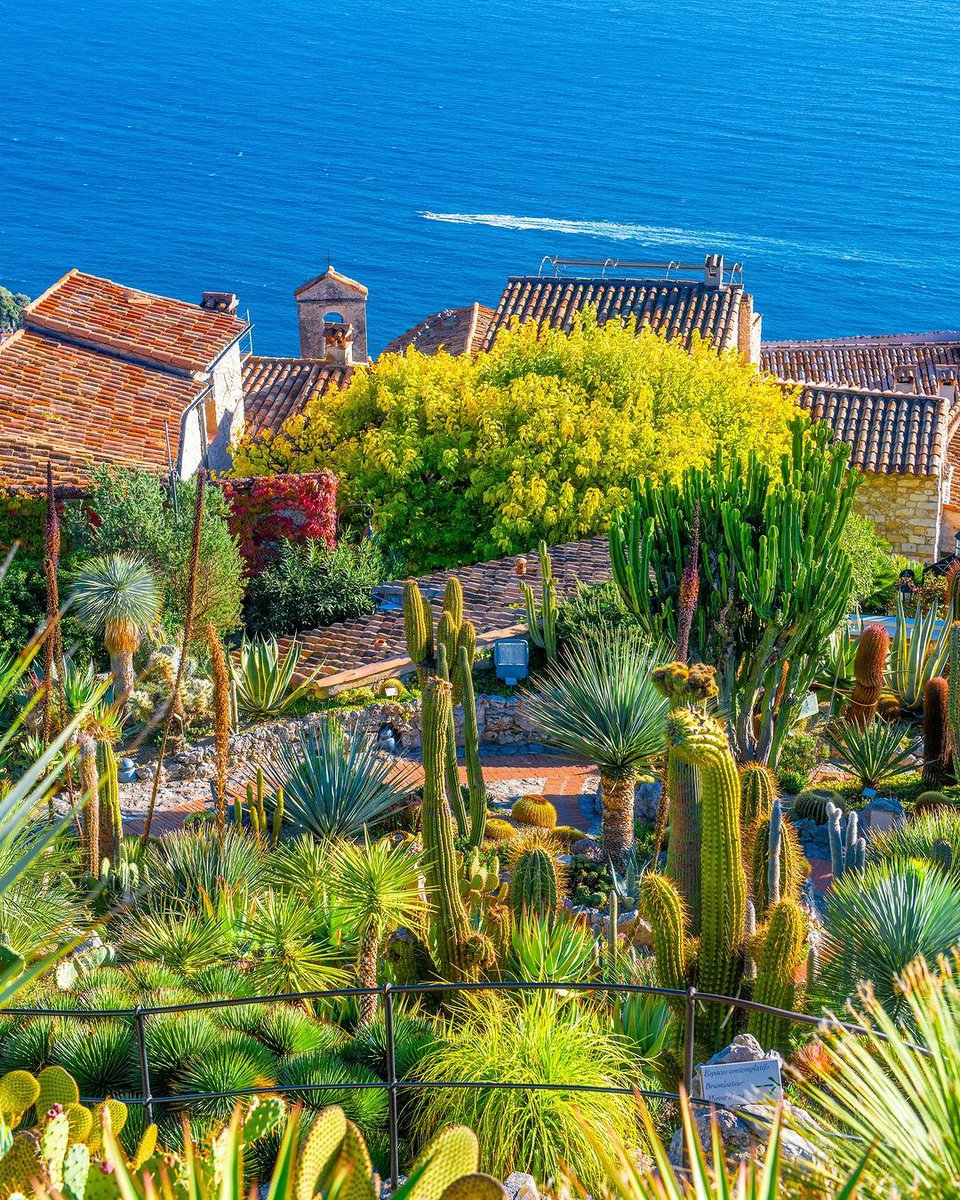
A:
(268, 509)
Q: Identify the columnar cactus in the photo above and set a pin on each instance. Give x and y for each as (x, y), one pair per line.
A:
(542, 619)
(451, 770)
(778, 964)
(418, 625)
(111, 817)
(476, 787)
(90, 788)
(937, 743)
(869, 667)
(777, 839)
(663, 908)
(758, 790)
(699, 739)
(847, 849)
(534, 886)
(452, 934)
(953, 694)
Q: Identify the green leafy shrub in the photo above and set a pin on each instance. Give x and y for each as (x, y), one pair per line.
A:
(874, 565)
(308, 585)
(800, 753)
(593, 607)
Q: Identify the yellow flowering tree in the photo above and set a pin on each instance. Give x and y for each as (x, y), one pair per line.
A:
(472, 458)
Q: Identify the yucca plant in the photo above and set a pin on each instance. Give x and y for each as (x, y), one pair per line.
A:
(895, 1089)
(116, 595)
(874, 752)
(556, 947)
(285, 953)
(881, 919)
(317, 1080)
(335, 785)
(190, 864)
(265, 679)
(600, 704)
(917, 652)
(379, 884)
(177, 936)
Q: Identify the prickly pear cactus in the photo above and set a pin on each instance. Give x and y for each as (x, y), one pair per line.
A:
(453, 1153)
(18, 1091)
(320, 1150)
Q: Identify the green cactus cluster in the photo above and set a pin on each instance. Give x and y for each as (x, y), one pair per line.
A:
(266, 828)
(535, 884)
(452, 631)
(483, 888)
(778, 864)
(778, 963)
(542, 618)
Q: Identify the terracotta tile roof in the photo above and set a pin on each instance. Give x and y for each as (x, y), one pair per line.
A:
(277, 388)
(151, 330)
(890, 433)
(866, 362)
(75, 406)
(374, 647)
(455, 330)
(676, 308)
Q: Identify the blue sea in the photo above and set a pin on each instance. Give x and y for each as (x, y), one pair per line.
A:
(430, 150)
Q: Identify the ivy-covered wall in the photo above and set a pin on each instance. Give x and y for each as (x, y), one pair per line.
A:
(267, 509)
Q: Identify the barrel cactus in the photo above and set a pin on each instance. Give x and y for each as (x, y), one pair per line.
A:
(534, 810)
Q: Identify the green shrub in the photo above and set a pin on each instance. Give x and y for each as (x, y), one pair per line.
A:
(129, 510)
(592, 607)
(875, 567)
(308, 585)
(800, 753)
(531, 1042)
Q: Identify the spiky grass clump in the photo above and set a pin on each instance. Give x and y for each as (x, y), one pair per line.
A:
(535, 1042)
(101, 1057)
(413, 1035)
(178, 937)
(232, 1063)
(557, 947)
(289, 1031)
(918, 837)
(366, 1106)
(193, 864)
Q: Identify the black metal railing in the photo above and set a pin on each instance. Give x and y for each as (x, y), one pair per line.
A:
(688, 1000)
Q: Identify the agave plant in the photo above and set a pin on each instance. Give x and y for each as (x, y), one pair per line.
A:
(895, 1090)
(116, 595)
(265, 679)
(881, 919)
(873, 752)
(917, 652)
(334, 785)
(557, 947)
(600, 704)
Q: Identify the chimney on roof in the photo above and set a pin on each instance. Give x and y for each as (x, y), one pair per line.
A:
(225, 302)
(338, 342)
(713, 271)
(905, 381)
(947, 383)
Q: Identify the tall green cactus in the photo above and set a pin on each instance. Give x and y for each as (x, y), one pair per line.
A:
(847, 848)
(418, 626)
(698, 738)
(662, 907)
(451, 926)
(778, 965)
(451, 770)
(777, 863)
(937, 747)
(542, 618)
(111, 816)
(953, 691)
(773, 583)
(476, 787)
(534, 886)
(758, 790)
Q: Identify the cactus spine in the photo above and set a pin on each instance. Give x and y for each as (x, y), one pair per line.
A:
(476, 787)
(701, 740)
(450, 921)
(534, 886)
(542, 618)
(111, 816)
(869, 665)
(779, 961)
(937, 747)
(758, 790)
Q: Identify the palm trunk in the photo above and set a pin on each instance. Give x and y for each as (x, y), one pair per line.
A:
(367, 976)
(617, 797)
(121, 664)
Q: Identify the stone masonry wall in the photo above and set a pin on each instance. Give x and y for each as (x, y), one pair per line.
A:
(905, 510)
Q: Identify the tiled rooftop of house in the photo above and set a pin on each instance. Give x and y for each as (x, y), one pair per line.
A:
(151, 330)
(885, 363)
(677, 308)
(102, 373)
(889, 432)
(277, 388)
(373, 647)
(453, 330)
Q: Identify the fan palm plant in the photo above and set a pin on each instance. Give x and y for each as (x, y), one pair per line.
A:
(881, 919)
(116, 595)
(380, 884)
(334, 784)
(600, 704)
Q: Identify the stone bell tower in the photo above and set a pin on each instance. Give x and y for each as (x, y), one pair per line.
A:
(331, 300)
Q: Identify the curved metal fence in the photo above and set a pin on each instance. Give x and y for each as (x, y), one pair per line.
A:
(387, 994)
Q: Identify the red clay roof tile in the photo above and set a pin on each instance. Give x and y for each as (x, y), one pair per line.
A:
(277, 388)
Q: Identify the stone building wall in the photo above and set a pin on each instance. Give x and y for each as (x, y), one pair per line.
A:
(906, 511)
